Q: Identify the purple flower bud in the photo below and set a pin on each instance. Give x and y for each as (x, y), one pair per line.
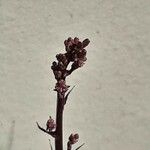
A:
(66, 42)
(58, 74)
(82, 53)
(79, 45)
(73, 138)
(80, 62)
(76, 136)
(85, 42)
(61, 86)
(54, 65)
(50, 125)
(69, 39)
(62, 58)
(61, 66)
(76, 40)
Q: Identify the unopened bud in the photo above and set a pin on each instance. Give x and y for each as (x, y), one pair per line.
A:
(73, 138)
(50, 125)
(85, 42)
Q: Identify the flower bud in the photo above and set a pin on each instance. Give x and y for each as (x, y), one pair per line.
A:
(50, 125)
(79, 45)
(69, 39)
(61, 66)
(61, 86)
(82, 53)
(76, 40)
(54, 65)
(73, 138)
(58, 74)
(85, 42)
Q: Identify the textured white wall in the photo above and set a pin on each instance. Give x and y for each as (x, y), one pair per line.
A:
(110, 106)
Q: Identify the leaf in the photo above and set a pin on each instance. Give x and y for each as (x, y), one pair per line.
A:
(66, 97)
(79, 146)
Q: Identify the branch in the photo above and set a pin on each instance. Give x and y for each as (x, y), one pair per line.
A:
(69, 146)
(66, 97)
(50, 133)
(80, 146)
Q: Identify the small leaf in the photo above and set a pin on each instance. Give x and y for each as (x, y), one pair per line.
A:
(80, 146)
(66, 97)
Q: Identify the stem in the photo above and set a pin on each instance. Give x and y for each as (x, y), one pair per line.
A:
(69, 146)
(59, 122)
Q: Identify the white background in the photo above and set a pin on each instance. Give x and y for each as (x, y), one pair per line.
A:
(110, 105)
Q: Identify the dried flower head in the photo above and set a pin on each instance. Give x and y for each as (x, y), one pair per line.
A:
(73, 138)
(50, 125)
(61, 86)
(75, 54)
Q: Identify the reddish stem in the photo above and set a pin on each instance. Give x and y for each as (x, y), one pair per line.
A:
(59, 122)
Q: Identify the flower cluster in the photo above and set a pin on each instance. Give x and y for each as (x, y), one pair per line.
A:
(73, 138)
(61, 86)
(50, 125)
(75, 53)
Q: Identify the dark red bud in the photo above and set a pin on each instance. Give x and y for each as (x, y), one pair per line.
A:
(76, 136)
(69, 39)
(84, 52)
(50, 125)
(73, 138)
(57, 74)
(61, 66)
(65, 42)
(54, 65)
(85, 42)
(76, 40)
(79, 45)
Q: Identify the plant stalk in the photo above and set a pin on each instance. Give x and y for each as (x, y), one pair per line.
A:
(59, 122)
